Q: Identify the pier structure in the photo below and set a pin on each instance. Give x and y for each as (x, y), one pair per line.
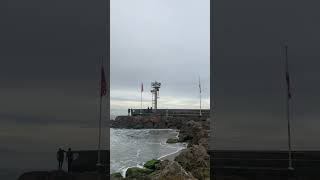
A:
(172, 112)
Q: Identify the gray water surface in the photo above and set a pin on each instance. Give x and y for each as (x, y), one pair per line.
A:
(132, 147)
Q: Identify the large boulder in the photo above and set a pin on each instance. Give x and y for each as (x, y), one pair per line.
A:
(204, 142)
(192, 132)
(162, 164)
(116, 176)
(151, 164)
(195, 160)
(172, 171)
(138, 173)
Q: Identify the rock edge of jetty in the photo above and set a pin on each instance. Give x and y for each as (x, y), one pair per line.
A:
(191, 163)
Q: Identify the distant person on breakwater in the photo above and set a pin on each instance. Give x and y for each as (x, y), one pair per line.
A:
(128, 112)
(69, 158)
(60, 157)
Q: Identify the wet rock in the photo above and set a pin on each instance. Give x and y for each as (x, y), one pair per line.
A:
(172, 171)
(196, 160)
(192, 132)
(204, 142)
(154, 121)
(201, 173)
(138, 173)
(151, 164)
(116, 176)
(172, 140)
(162, 164)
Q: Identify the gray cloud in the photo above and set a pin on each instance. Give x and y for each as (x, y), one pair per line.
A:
(248, 74)
(49, 69)
(166, 41)
(49, 78)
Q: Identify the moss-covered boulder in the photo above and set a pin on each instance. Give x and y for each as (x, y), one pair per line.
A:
(151, 164)
(116, 176)
(172, 140)
(138, 173)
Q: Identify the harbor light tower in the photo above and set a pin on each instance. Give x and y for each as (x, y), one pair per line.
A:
(155, 94)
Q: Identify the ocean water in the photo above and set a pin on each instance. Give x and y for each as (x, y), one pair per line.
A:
(132, 147)
(128, 148)
(10, 174)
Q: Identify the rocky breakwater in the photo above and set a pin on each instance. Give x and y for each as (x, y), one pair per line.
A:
(195, 158)
(192, 163)
(149, 122)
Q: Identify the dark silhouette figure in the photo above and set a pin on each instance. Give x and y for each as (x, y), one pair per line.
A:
(69, 158)
(60, 157)
(128, 112)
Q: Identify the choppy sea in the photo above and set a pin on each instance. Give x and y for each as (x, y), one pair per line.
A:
(132, 147)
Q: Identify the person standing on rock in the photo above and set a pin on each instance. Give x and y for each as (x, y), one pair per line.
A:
(69, 158)
(60, 157)
(128, 112)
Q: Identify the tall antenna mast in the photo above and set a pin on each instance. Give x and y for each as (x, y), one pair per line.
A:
(155, 94)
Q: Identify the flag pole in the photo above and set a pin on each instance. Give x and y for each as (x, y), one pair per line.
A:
(141, 90)
(288, 109)
(200, 96)
(99, 142)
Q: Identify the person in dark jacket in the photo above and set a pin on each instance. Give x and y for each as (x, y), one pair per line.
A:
(60, 157)
(69, 158)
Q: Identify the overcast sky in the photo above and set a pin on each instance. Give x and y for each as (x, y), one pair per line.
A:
(49, 78)
(248, 73)
(49, 69)
(159, 40)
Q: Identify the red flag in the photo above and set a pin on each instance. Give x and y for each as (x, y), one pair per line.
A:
(287, 75)
(103, 83)
(288, 85)
(141, 87)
